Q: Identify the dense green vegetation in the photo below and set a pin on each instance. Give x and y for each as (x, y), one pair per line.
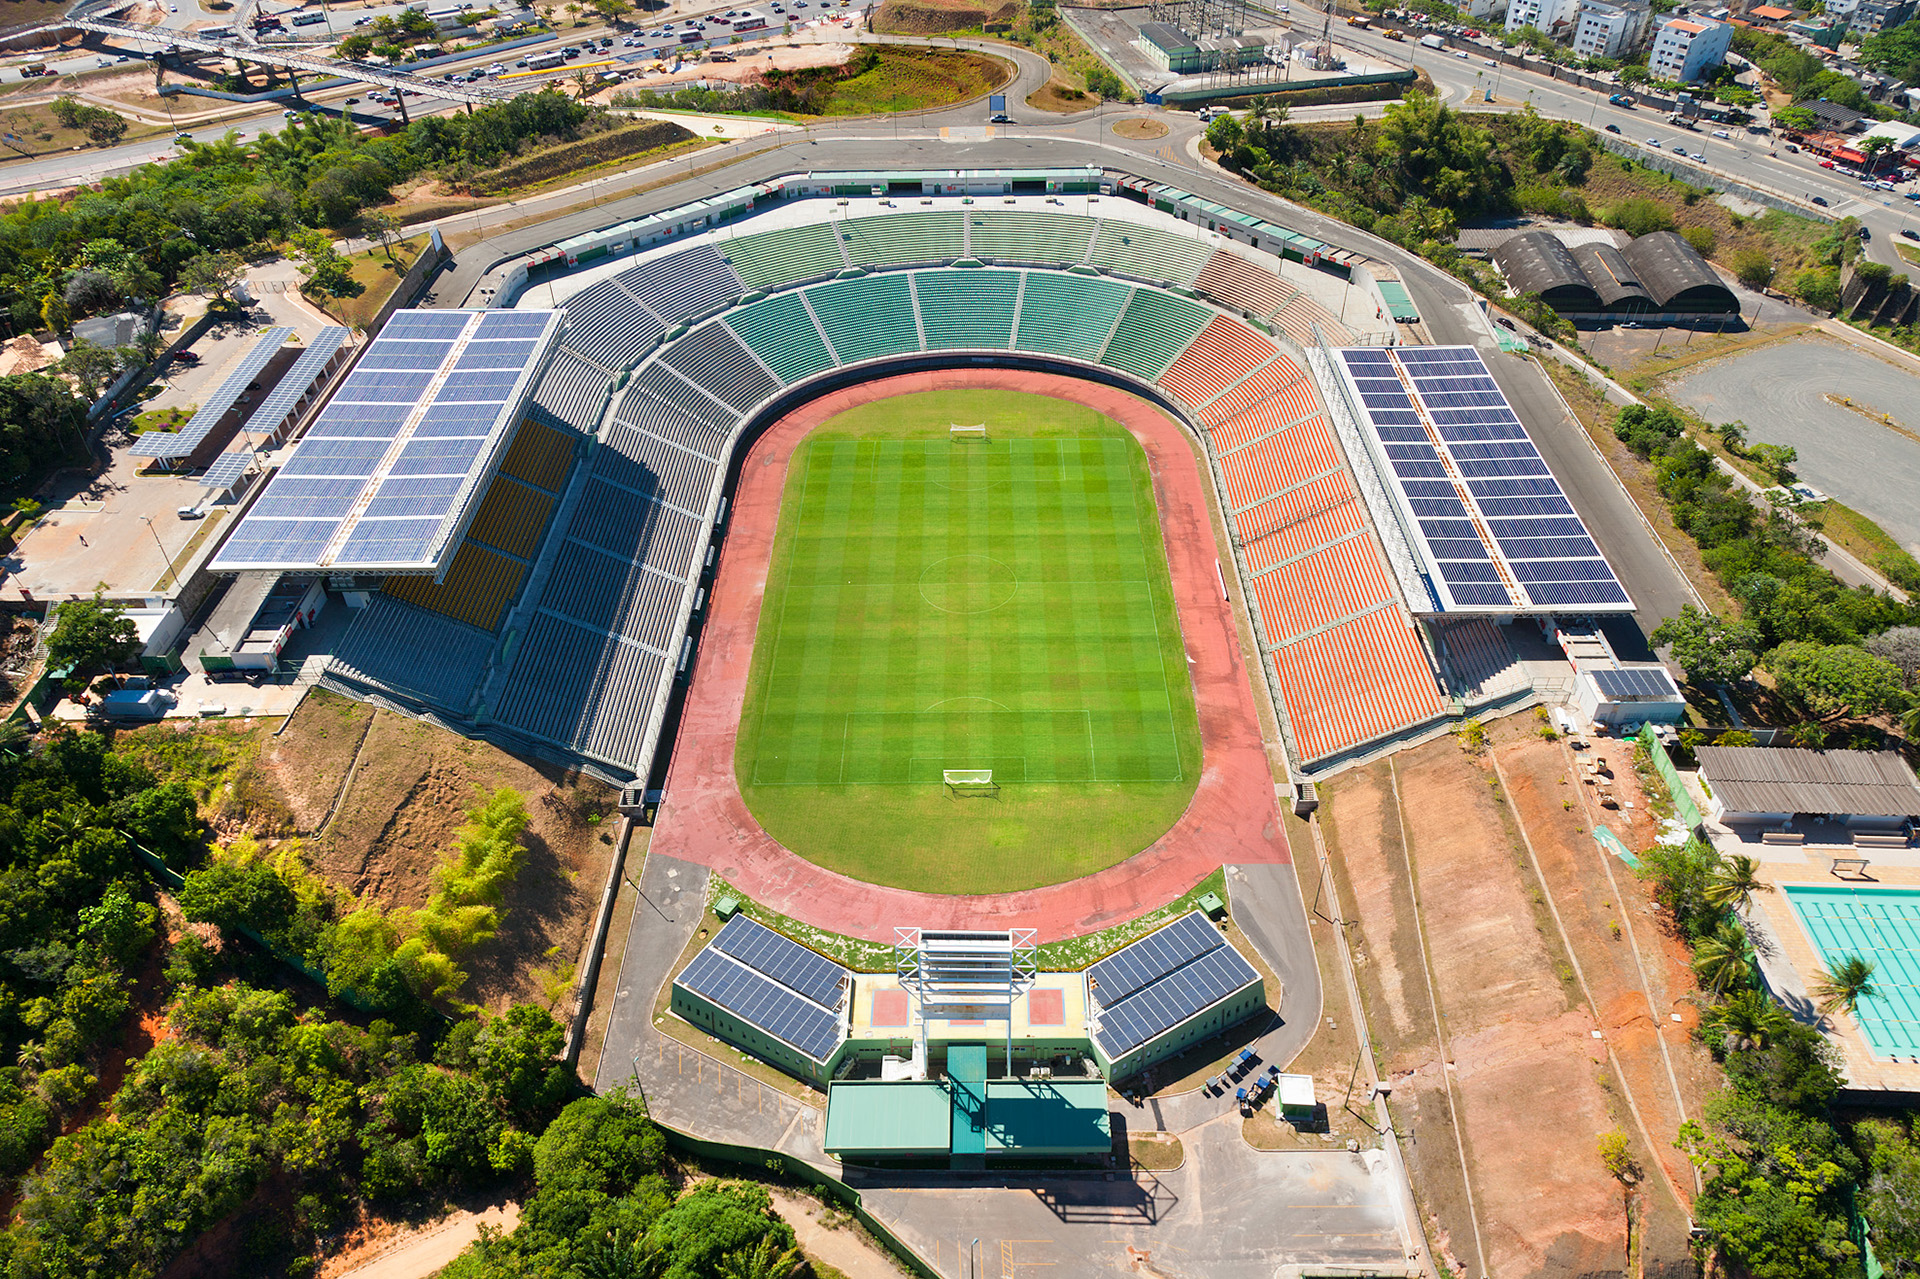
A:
(136, 236)
(1797, 620)
(1783, 1173)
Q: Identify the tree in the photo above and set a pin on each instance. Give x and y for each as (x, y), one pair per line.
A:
(1748, 1020)
(382, 226)
(1836, 681)
(1734, 882)
(1679, 874)
(212, 274)
(1892, 1199)
(1795, 119)
(1724, 959)
(612, 10)
(89, 292)
(1842, 986)
(1710, 648)
(327, 273)
(516, 1056)
(1753, 268)
(1899, 645)
(94, 368)
(1776, 460)
(90, 634)
(765, 1260)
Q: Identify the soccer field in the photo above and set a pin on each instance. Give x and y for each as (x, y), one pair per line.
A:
(937, 603)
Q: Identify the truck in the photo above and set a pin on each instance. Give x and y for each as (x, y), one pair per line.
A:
(1619, 100)
(1360, 20)
(1432, 42)
(1395, 33)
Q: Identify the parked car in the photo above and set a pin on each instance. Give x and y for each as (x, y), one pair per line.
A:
(1910, 233)
(1721, 133)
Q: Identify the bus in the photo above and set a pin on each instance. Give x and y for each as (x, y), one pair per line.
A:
(215, 33)
(546, 61)
(309, 19)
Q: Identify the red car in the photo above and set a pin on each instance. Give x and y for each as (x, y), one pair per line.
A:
(1826, 164)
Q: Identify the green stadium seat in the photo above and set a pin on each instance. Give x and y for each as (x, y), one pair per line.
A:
(1153, 331)
(1069, 314)
(1022, 235)
(1148, 253)
(771, 259)
(782, 333)
(970, 309)
(897, 239)
(866, 317)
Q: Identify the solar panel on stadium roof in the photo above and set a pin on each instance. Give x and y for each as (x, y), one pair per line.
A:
(1153, 957)
(412, 436)
(762, 1003)
(174, 445)
(1542, 548)
(785, 961)
(1175, 997)
(226, 470)
(1577, 594)
(1634, 682)
(1469, 571)
(1479, 595)
(1457, 548)
(1504, 529)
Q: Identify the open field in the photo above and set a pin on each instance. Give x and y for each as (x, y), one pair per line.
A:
(378, 276)
(937, 604)
(915, 79)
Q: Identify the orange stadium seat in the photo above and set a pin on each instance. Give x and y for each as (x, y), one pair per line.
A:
(1297, 522)
(1231, 279)
(1320, 588)
(1270, 378)
(1225, 352)
(1363, 679)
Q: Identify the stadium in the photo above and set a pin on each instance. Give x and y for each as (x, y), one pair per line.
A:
(910, 541)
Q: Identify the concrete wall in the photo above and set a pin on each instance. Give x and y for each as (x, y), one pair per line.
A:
(724, 1025)
(1695, 175)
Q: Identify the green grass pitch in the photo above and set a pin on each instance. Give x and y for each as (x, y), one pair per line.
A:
(939, 604)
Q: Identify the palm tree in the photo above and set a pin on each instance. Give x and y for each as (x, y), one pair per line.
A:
(1748, 1020)
(763, 1261)
(617, 1258)
(1734, 882)
(1723, 960)
(1845, 984)
(13, 733)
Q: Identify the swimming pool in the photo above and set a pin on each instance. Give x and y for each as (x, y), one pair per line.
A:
(1880, 924)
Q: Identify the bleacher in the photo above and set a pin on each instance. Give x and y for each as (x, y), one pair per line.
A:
(1069, 315)
(1234, 282)
(686, 286)
(790, 255)
(1356, 682)
(1154, 329)
(477, 588)
(899, 239)
(609, 326)
(967, 309)
(1032, 236)
(1476, 662)
(573, 391)
(1148, 253)
(714, 358)
(866, 317)
(409, 655)
(782, 333)
(585, 690)
(1223, 353)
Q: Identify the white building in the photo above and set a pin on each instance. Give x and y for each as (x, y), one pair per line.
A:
(1609, 30)
(1685, 50)
(1554, 17)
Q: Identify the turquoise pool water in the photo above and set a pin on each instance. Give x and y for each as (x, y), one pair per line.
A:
(1881, 924)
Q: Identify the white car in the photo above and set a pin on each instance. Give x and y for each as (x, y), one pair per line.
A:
(1654, 143)
(1721, 133)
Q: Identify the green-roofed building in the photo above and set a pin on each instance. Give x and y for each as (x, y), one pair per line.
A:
(965, 1119)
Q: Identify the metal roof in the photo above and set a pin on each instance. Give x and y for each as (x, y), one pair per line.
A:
(172, 446)
(1760, 779)
(1669, 267)
(1168, 38)
(1064, 1116)
(1613, 279)
(226, 470)
(1537, 262)
(902, 1117)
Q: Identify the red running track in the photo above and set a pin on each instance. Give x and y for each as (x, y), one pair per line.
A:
(1232, 818)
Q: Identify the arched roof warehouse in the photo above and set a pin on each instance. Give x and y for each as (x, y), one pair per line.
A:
(1677, 277)
(1537, 262)
(1615, 281)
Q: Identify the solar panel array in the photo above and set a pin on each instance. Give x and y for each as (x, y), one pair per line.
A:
(1634, 683)
(772, 983)
(765, 1004)
(171, 446)
(1164, 978)
(300, 378)
(382, 477)
(787, 962)
(226, 470)
(1498, 532)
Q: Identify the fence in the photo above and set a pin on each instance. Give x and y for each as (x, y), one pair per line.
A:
(799, 1169)
(1683, 805)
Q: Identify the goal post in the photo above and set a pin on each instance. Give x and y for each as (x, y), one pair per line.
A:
(959, 432)
(969, 781)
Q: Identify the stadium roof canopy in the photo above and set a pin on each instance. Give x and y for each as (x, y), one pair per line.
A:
(386, 477)
(1488, 523)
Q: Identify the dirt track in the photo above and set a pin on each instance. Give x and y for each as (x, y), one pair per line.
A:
(1231, 819)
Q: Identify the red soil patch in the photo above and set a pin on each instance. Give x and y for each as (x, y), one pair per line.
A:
(1231, 819)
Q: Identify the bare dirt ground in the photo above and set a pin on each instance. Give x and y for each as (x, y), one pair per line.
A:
(753, 59)
(1635, 970)
(18, 669)
(1526, 1075)
(409, 794)
(833, 1238)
